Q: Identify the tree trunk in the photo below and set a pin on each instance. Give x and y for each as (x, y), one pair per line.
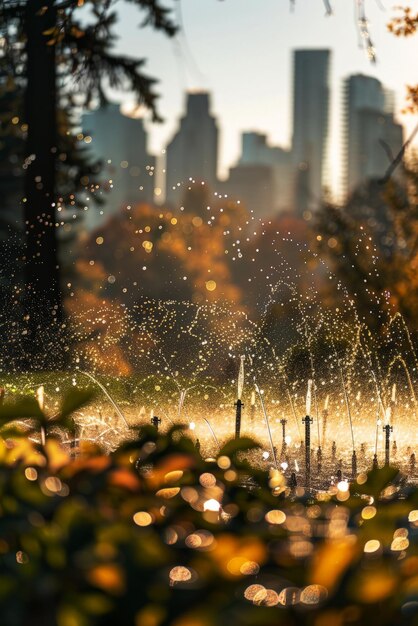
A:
(42, 298)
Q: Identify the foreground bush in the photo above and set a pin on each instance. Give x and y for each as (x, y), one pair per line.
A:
(153, 535)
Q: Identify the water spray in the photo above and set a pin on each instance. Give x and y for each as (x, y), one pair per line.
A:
(212, 431)
(273, 449)
(325, 420)
(375, 461)
(350, 419)
(252, 406)
(294, 413)
(107, 394)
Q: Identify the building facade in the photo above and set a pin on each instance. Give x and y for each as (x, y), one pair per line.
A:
(120, 143)
(370, 131)
(193, 151)
(311, 92)
(262, 178)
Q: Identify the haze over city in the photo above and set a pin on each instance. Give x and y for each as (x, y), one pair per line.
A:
(242, 54)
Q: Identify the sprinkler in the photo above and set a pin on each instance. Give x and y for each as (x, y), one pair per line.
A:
(388, 429)
(307, 421)
(155, 421)
(238, 404)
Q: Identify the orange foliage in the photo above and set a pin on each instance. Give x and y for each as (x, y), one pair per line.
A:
(146, 245)
(406, 25)
(331, 561)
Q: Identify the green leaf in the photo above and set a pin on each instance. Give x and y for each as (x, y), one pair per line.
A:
(234, 446)
(377, 480)
(65, 423)
(14, 432)
(75, 400)
(22, 408)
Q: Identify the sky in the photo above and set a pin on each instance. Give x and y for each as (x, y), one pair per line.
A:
(241, 51)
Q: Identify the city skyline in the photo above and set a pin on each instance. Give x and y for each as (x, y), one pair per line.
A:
(266, 178)
(248, 72)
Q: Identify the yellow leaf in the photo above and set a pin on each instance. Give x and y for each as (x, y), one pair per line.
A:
(24, 450)
(58, 457)
(372, 587)
(172, 462)
(331, 560)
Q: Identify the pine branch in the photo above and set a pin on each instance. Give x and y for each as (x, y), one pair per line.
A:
(157, 16)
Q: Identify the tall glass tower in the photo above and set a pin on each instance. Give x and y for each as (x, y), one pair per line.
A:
(369, 127)
(193, 151)
(310, 125)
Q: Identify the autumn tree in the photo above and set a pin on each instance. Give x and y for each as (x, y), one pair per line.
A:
(372, 240)
(372, 245)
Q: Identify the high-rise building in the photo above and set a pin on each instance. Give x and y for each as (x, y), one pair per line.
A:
(193, 151)
(379, 139)
(262, 179)
(310, 125)
(120, 143)
(370, 130)
(253, 186)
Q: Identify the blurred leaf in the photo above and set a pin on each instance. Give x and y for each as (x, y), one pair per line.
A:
(25, 450)
(376, 482)
(95, 603)
(71, 616)
(58, 457)
(109, 577)
(331, 560)
(375, 586)
(125, 479)
(23, 407)
(167, 464)
(234, 446)
(75, 400)
(66, 423)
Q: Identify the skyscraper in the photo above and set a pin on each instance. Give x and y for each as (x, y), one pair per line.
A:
(310, 125)
(252, 185)
(263, 178)
(379, 136)
(120, 142)
(193, 151)
(369, 130)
